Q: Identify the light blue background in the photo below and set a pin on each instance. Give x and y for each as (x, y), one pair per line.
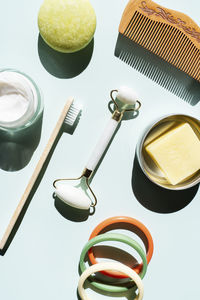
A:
(42, 261)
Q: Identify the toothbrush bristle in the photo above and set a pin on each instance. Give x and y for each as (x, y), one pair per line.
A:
(72, 114)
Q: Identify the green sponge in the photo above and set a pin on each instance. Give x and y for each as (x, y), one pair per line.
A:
(67, 25)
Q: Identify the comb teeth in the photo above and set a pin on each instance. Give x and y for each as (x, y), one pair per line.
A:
(72, 114)
(166, 41)
(157, 69)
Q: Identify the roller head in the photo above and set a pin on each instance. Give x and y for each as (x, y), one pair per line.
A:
(73, 196)
(127, 96)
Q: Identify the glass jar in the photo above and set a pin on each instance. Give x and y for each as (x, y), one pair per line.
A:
(18, 84)
(21, 114)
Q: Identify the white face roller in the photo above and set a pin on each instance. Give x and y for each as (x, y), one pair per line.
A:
(75, 197)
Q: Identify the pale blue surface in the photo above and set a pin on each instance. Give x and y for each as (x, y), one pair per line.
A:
(42, 261)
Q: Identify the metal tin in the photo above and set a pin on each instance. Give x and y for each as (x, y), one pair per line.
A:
(156, 129)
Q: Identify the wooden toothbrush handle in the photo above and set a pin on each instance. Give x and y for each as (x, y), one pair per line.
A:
(161, 14)
(36, 173)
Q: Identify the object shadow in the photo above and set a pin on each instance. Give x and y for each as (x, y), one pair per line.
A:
(34, 189)
(70, 213)
(116, 254)
(64, 65)
(157, 69)
(16, 149)
(158, 199)
(129, 295)
(128, 115)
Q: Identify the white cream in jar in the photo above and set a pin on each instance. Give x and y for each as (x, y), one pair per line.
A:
(18, 99)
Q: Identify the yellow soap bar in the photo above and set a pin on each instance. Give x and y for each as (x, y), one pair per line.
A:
(176, 153)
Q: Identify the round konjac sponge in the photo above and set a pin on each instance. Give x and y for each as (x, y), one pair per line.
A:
(67, 25)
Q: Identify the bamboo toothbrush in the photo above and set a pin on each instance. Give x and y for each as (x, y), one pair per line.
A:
(68, 116)
(164, 45)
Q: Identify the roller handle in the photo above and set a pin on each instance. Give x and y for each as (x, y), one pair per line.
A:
(102, 145)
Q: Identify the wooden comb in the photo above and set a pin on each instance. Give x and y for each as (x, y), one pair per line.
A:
(171, 38)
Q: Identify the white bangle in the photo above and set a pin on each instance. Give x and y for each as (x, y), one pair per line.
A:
(115, 266)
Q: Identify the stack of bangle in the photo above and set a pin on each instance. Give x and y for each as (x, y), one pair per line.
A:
(99, 235)
(122, 222)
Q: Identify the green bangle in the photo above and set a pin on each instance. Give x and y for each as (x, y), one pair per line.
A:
(112, 237)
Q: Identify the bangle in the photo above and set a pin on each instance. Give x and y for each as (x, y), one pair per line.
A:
(110, 266)
(112, 237)
(122, 222)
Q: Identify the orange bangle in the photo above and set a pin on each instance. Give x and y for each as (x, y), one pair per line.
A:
(131, 224)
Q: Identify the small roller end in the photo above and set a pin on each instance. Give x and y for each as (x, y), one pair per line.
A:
(127, 95)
